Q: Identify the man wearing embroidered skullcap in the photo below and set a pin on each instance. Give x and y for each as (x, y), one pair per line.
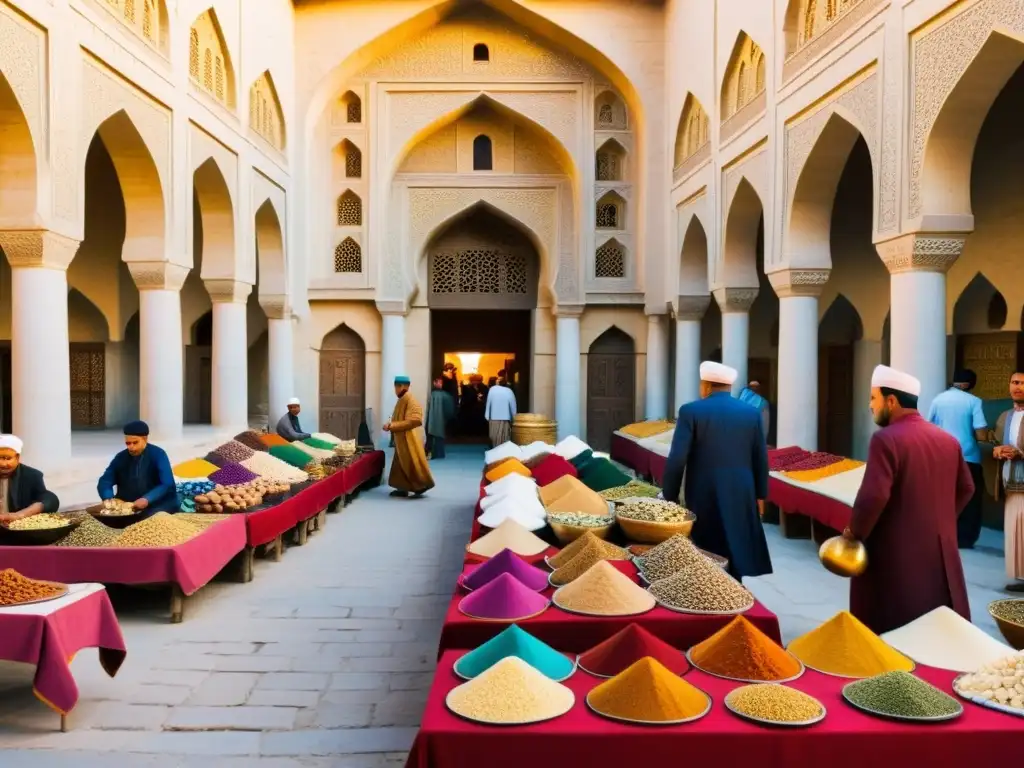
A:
(410, 472)
(719, 451)
(915, 485)
(140, 474)
(288, 425)
(22, 490)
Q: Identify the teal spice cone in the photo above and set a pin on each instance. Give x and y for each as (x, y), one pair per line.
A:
(516, 642)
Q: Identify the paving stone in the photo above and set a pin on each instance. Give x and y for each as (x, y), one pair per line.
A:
(337, 742)
(400, 709)
(415, 681)
(253, 663)
(217, 649)
(293, 681)
(113, 715)
(224, 689)
(372, 612)
(359, 681)
(196, 743)
(174, 677)
(159, 694)
(342, 716)
(261, 698)
(354, 697)
(231, 719)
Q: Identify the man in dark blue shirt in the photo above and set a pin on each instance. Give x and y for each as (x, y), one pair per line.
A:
(141, 473)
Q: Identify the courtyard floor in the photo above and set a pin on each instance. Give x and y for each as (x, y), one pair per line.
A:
(326, 657)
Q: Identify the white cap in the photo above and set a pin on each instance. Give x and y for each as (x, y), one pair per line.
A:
(717, 373)
(12, 442)
(294, 401)
(890, 378)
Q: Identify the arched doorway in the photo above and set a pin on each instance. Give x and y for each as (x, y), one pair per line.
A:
(482, 277)
(838, 332)
(342, 382)
(611, 386)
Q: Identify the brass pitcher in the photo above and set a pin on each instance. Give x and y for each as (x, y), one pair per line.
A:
(844, 557)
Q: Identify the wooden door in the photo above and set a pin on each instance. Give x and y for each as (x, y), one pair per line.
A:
(611, 387)
(342, 383)
(88, 386)
(835, 399)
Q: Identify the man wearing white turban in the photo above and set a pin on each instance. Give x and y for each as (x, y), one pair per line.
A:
(22, 490)
(915, 485)
(288, 425)
(720, 444)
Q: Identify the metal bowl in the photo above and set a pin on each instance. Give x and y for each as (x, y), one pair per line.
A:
(844, 557)
(1014, 633)
(118, 521)
(40, 537)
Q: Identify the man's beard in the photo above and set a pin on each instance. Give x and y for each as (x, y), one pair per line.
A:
(883, 417)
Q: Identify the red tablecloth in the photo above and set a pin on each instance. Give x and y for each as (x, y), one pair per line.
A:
(369, 466)
(657, 463)
(190, 565)
(801, 501)
(571, 632)
(632, 454)
(845, 739)
(48, 635)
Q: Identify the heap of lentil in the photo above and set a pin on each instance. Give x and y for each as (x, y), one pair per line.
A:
(741, 651)
(510, 692)
(703, 587)
(160, 530)
(900, 694)
(90, 533)
(603, 590)
(844, 646)
(610, 551)
(40, 522)
(590, 553)
(654, 511)
(15, 588)
(634, 488)
(672, 556)
(647, 692)
(774, 703)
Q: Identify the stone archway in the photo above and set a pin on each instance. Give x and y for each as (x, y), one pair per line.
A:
(217, 215)
(342, 383)
(611, 386)
(19, 191)
(270, 251)
(739, 254)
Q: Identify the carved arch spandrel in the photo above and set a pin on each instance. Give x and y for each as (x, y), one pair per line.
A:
(740, 82)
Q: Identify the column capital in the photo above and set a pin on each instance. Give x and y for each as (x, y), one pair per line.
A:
(692, 307)
(276, 306)
(38, 248)
(735, 299)
(393, 307)
(568, 310)
(228, 291)
(158, 275)
(798, 282)
(921, 251)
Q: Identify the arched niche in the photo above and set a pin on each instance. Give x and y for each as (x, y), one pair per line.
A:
(693, 260)
(742, 226)
(266, 117)
(210, 64)
(979, 308)
(270, 251)
(19, 193)
(610, 162)
(693, 132)
(611, 386)
(342, 382)
(217, 217)
(744, 80)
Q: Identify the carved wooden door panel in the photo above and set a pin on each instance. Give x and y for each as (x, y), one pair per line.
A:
(611, 403)
(88, 386)
(342, 392)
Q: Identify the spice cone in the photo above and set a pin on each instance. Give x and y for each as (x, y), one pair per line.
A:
(843, 646)
(586, 557)
(509, 562)
(628, 646)
(510, 693)
(648, 693)
(558, 488)
(741, 651)
(610, 551)
(504, 599)
(508, 535)
(521, 644)
(603, 591)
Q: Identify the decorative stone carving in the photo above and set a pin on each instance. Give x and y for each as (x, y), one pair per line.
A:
(798, 282)
(38, 248)
(888, 206)
(392, 308)
(158, 275)
(735, 299)
(275, 306)
(228, 291)
(921, 252)
(753, 169)
(567, 282)
(692, 307)
(22, 62)
(568, 310)
(817, 34)
(744, 77)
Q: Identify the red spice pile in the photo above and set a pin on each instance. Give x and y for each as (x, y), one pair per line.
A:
(627, 646)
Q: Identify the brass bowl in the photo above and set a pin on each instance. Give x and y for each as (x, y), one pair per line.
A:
(843, 557)
(1014, 633)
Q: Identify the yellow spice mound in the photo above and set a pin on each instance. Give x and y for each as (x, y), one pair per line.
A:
(644, 429)
(603, 590)
(510, 692)
(844, 646)
(648, 692)
(812, 475)
(508, 535)
(588, 539)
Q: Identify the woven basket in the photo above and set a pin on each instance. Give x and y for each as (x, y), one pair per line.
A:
(1014, 633)
(653, 533)
(530, 427)
(566, 534)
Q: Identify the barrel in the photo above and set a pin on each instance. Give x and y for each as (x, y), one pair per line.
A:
(530, 427)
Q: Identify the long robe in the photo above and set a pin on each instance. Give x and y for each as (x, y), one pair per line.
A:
(409, 469)
(720, 444)
(915, 485)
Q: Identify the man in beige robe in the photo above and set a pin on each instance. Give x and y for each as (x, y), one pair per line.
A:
(410, 472)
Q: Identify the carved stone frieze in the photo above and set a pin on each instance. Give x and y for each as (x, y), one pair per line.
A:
(158, 275)
(275, 306)
(397, 307)
(38, 248)
(692, 307)
(568, 310)
(735, 299)
(888, 195)
(798, 282)
(921, 252)
(228, 291)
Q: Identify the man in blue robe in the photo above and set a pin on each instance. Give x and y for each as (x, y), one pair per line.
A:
(751, 395)
(719, 443)
(141, 474)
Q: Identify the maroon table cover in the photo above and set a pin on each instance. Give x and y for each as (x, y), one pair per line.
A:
(369, 466)
(632, 454)
(572, 632)
(800, 501)
(846, 738)
(50, 642)
(657, 464)
(190, 565)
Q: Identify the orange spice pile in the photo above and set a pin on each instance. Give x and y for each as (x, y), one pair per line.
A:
(741, 651)
(15, 588)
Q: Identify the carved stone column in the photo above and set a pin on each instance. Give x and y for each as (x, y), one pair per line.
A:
(917, 264)
(656, 385)
(161, 364)
(280, 354)
(735, 304)
(568, 403)
(230, 406)
(798, 291)
(688, 321)
(40, 366)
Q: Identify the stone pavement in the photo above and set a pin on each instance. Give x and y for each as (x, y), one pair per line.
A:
(326, 657)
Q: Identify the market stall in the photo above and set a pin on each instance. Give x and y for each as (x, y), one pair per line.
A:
(819, 486)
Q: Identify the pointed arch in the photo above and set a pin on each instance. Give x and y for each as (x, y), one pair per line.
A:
(610, 112)
(693, 260)
(740, 82)
(217, 216)
(353, 159)
(19, 170)
(353, 107)
(692, 133)
(270, 251)
(610, 260)
(840, 322)
(342, 336)
(611, 211)
(610, 162)
(739, 256)
(980, 307)
(612, 340)
(348, 257)
(266, 118)
(86, 321)
(216, 76)
(349, 209)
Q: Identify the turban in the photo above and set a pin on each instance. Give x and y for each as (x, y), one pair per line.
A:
(716, 373)
(294, 401)
(402, 380)
(890, 378)
(137, 429)
(12, 442)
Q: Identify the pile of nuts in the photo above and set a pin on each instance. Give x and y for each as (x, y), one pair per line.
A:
(703, 587)
(1001, 681)
(672, 556)
(40, 522)
(654, 511)
(160, 530)
(117, 508)
(90, 533)
(15, 588)
(580, 519)
(237, 498)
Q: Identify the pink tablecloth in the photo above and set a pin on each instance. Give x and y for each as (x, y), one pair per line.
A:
(190, 565)
(48, 635)
(632, 454)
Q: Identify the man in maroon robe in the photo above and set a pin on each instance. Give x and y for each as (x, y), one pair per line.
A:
(915, 485)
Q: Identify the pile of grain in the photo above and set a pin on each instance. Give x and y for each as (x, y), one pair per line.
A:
(201, 521)
(251, 439)
(603, 590)
(901, 694)
(581, 562)
(1001, 681)
(90, 533)
(15, 588)
(160, 530)
(1011, 610)
(775, 703)
(289, 454)
(844, 646)
(741, 651)
(672, 556)
(234, 451)
(703, 587)
(117, 508)
(643, 429)
(588, 539)
(314, 453)
(504, 598)
(579, 520)
(648, 693)
(943, 638)
(41, 522)
(271, 468)
(510, 692)
(634, 488)
(271, 439)
(654, 511)
(578, 498)
(508, 535)
(509, 562)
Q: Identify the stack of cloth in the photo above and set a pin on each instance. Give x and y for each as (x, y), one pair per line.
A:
(512, 497)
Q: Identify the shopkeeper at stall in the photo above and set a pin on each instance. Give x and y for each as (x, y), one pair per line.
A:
(288, 425)
(22, 490)
(141, 474)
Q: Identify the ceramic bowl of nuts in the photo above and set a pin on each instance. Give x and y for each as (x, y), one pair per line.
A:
(652, 521)
(37, 531)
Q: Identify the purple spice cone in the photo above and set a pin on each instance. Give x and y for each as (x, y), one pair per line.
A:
(503, 599)
(509, 562)
(232, 474)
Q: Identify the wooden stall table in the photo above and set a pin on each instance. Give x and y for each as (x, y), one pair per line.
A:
(186, 567)
(49, 634)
